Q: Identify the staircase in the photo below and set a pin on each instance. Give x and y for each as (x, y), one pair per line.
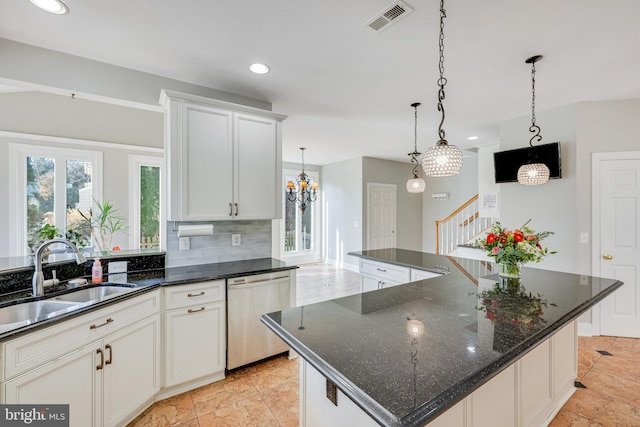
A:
(461, 227)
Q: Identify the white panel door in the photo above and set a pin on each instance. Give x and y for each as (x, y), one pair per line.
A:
(256, 167)
(382, 216)
(618, 254)
(206, 164)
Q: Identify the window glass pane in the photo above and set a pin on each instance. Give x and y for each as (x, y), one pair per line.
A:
(289, 224)
(40, 197)
(79, 196)
(149, 207)
(306, 228)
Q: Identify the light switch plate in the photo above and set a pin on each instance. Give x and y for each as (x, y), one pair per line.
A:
(236, 239)
(184, 243)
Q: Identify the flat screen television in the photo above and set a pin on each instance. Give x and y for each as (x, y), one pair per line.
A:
(507, 163)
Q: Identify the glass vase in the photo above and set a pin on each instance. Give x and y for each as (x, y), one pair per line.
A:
(509, 277)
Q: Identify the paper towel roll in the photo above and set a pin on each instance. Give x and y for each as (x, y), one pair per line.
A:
(195, 230)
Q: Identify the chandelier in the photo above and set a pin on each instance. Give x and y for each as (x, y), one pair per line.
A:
(533, 172)
(415, 184)
(443, 159)
(303, 190)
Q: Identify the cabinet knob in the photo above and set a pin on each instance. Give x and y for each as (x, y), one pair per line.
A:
(607, 257)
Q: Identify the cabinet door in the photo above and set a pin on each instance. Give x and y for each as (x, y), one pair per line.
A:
(71, 379)
(194, 342)
(369, 283)
(206, 167)
(257, 186)
(132, 369)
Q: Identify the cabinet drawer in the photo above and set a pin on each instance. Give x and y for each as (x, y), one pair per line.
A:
(28, 351)
(196, 293)
(417, 274)
(390, 272)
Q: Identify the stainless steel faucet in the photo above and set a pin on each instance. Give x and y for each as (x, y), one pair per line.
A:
(38, 277)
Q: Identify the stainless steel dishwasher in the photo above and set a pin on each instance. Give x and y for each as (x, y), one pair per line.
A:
(248, 298)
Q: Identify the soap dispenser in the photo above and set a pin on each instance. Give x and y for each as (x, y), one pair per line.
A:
(96, 272)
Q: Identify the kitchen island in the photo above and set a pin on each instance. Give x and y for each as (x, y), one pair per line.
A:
(437, 352)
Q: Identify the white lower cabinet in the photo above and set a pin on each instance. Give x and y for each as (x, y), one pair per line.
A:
(528, 393)
(378, 275)
(69, 380)
(194, 344)
(194, 336)
(104, 364)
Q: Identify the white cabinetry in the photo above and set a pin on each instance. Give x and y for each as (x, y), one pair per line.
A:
(224, 160)
(378, 275)
(417, 274)
(105, 364)
(194, 327)
(527, 393)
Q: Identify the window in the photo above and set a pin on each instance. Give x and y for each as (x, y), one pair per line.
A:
(48, 184)
(299, 228)
(146, 202)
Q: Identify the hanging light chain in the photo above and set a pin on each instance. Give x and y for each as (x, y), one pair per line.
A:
(415, 154)
(442, 81)
(534, 128)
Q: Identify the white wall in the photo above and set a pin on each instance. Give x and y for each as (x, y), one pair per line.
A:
(487, 186)
(552, 206)
(460, 187)
(409, 206)
(86, 124)
(26, 65)
(341, 210)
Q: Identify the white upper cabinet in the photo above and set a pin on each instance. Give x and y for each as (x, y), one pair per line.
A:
(224, 160)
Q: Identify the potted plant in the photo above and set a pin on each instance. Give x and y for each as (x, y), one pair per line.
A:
(103, 222)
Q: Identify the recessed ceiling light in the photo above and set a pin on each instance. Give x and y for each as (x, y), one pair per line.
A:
(472, 138)
(52, 6)
(259, 68)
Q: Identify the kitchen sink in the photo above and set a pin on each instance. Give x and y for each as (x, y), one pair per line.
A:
(31, 312)
(95, 294)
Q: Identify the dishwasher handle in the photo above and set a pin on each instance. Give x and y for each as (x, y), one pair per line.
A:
(249, 285)
(246, 281)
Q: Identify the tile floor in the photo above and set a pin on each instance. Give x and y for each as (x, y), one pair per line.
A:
(267, 394)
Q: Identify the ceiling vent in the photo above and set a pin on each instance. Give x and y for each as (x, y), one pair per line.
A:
(389, 15)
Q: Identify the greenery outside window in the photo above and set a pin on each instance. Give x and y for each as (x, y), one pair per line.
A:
(146, 175)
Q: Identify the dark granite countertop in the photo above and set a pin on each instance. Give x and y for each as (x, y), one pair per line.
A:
(363, 343)
(405, 258)
(145, 281)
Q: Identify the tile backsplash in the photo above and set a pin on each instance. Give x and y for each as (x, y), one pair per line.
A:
(255, 243)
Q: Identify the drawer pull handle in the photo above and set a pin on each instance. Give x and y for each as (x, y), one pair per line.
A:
(195, 311)
(236, 209)
(195, 295)
(381, 269)
(101, 365)
(94, 326)
(230, 209)
(108, 362)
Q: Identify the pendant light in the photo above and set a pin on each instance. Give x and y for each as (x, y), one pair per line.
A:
(304, 191)
(415, 184)
(533, 173)
(443, 159)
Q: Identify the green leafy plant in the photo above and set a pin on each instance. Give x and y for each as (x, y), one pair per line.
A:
(49, 231)
(103, 221)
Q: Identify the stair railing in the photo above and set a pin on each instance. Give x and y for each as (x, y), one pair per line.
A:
(462, 226)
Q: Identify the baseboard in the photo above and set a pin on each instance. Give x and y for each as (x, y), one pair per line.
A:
(187, 386)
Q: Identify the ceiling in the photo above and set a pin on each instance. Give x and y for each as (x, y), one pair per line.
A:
(346, 88)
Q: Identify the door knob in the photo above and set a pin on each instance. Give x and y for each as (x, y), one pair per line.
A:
(607, 257)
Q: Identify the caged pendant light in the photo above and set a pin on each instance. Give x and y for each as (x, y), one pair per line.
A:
(533, 173)
(415, 184)
(443, 159)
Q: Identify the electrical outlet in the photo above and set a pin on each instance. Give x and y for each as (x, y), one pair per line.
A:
(236, 239)
(184, 243)
(117, 267)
